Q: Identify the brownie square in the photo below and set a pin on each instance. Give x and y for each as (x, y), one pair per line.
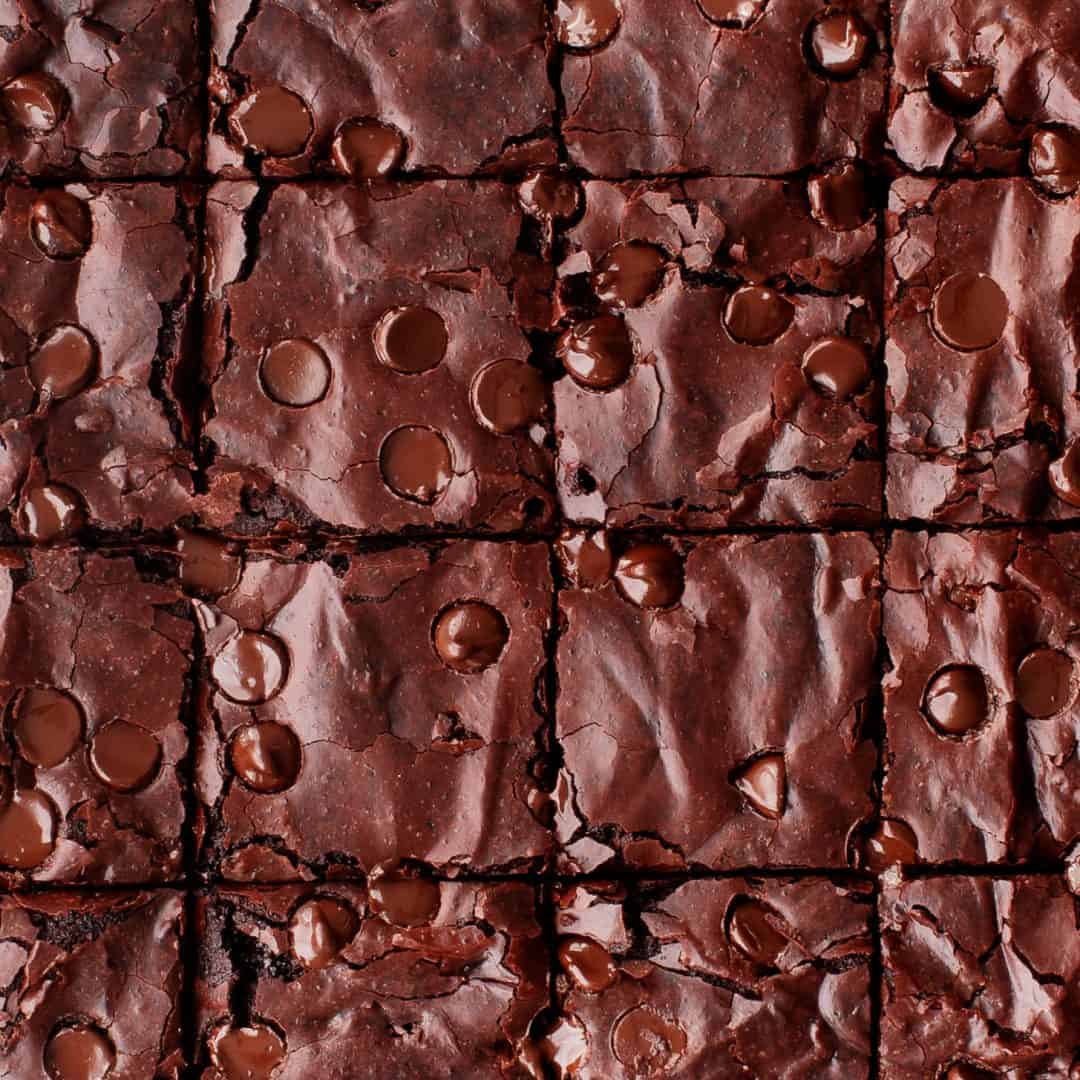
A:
(983, 413)
(987, 87)
(95, 657)
(720, 351)
(728, 87)
(711, 702)
(981, 978)
(95, 294)
(740, 977)
(981, 707)
(373, 708)
(367, 360)
(368, 89)
(421, 979)
(108, 88)
(92, 984)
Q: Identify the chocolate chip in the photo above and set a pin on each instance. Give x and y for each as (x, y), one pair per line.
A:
(733, 14)
(647, 1042)
(272, 121)
(64, 361)
(125, 757)
(629, 274)
(956, 700)
(28, 823)
(251, 668)
(79, 1052)
(207, 565)
(837, 367)
(320, 929)
(508, 395)
(757, 315)
(470, 636)
(763, 782)
(1044, 682)
(650, 575)
(840, 44)
(403, 897)
(969, 311)
(295, 372)
(839, 199)
(267, 757)
(586, 24)
(367, 149)
(752, 929)
(35, 103)
(588, 963)
(61, 225)
(411, 340)
(51, 512)
(597, 353)
(416, 464)
(961, 90)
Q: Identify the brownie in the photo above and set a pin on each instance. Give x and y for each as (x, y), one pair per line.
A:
(981, 978)
(96, 284)
(92, 985)
(367, 359)
(728, 87)
(369, 89)
(95, 657)
(106, 88)
(719, 349)
(413, 978)
(983, 413)
(983, 632)
(713, 697)
(733, 978)
(985, 87)
(367, 709)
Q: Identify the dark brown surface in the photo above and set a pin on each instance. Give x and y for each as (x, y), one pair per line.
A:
(672, 91)
(981, 373)
(965, 617)
(420, 728)
(974, 81)
(106, 88)
(464, 85)
(95, 293)
(979, 972)
(406, 433)
(661, 709)
(91, 981)
(736, 978)
(716, 419)
(450, 996)
(96, 797)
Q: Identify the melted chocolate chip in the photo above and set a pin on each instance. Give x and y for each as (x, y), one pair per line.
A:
(646, 1042)
(837, 367)
(763, 782)
(508, 395)
(251, 668)
(956, 700)
(549, 196)
(1065, 474)
(757, 315)
(629, 274)
(588, 963)
(586, 24)
(320, 929)
(598, 353)
(207, 567)
(586, 558)
(47, 725)
(295, 372)
(733, 14)
(961, 90)
(80, 1052)
(751, 928)
(1054, 160)
(267, 757)
(1044, 682)
(416, 464)
(840, 44)
(35, 103)
(411, 340)
(51, 512)
(470, 636)
(889, 843)
(650, 575)
(272, 121)
(838, 199)
(367, 149)
(969, 311)
(559, 1051)
(61, 226)
(403, 898)
(125, 757)
(64, 361)
(247, 1053)
(27, 829)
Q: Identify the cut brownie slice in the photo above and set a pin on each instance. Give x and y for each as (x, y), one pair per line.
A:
(406, 978)
(368, 709)
(720, 351)
(95, 656)
(982, 979)
(368, 362)
(983, 631)
(733, 978)
(711, 702)
(92, 985)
